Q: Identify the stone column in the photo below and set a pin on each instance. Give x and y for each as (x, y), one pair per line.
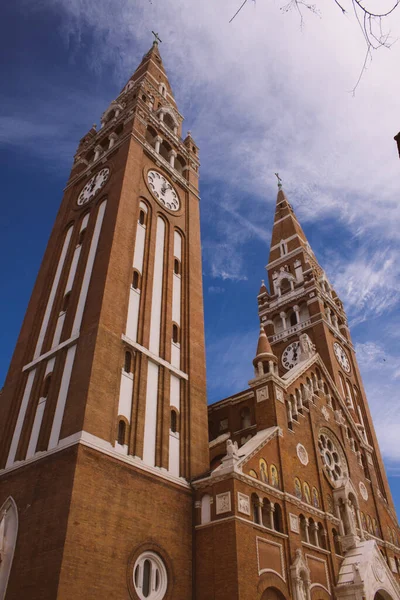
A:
(112, 138)
(294, 410)
(259, 511)
(271, 366)
(314, 534)
(283, 317)
(271, 515)
(158, 143)
(172, 157)
(360, 524)
(306, 530)
(296, 309)
(289, 411)
(97, 152)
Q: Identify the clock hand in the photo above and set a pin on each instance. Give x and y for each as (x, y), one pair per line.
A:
(93, 184)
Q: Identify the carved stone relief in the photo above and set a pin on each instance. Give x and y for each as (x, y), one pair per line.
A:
(223, 503)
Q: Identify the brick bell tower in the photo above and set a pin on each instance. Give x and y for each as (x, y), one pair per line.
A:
(302, 300)
(103, 415)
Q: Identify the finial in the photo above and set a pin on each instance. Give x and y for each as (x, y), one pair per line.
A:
(262, 282)
(156, 38)
(279, 180)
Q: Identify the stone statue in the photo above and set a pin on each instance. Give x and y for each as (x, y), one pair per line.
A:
(231, 449)
(307, 348)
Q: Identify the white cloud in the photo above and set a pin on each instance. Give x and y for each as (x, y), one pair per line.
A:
(380, 371)
(258, 103)
(369, 284)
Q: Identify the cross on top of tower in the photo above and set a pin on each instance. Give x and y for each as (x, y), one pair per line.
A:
(279, 180)
(156, 37)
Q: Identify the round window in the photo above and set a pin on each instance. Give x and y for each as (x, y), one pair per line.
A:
(332, 456)
(150, 577)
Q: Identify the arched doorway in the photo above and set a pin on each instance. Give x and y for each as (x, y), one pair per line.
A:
(272, 593)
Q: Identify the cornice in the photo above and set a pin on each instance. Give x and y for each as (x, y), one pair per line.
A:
(231, 400)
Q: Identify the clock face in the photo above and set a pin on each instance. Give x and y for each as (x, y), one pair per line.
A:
(93, 186)
(290, 356)
(163, 190)
(342, 357)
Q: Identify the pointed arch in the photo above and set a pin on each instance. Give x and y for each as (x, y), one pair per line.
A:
(8, 540)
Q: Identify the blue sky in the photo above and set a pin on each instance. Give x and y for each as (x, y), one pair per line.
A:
(259, 95)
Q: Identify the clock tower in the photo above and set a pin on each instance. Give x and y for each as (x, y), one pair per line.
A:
(303, 301)
(103, 414)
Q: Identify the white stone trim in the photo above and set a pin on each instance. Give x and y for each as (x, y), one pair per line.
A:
(21, 418)
(286, 240)
(62, 397)
(88, 270)
(53, 291)
(96, 443)
(290, 215)
(155, 358)
(328, 589)
(261, 571)
(51, 352)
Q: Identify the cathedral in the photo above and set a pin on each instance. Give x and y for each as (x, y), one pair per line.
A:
(116, 479)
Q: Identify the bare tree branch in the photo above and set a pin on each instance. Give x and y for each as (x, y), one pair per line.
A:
(370, 24)
(238, 11)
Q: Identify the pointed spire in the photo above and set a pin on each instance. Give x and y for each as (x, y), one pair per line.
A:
(265, 360)
(263, 346)
(263, 288)
(152, 64)
(286, 226)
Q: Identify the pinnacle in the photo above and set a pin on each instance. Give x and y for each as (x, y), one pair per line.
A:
(263, 346)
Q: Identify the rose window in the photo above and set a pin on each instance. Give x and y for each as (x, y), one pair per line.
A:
(332, 456)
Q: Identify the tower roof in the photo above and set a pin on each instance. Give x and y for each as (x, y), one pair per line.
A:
(152, 64)
(263, 346)
(285, 223)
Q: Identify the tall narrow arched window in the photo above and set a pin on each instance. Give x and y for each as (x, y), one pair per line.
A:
(278, 520)
(65, 302)
(174, 421)
(245, 418)
(255, 504)
(135, 280)
(8, 540)
(177, 266)
(121, 432)
(175, 333)
(46, 386)
(82, 234)
(142, 217)
(303, 528)
(128, 362)
(349, 395)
